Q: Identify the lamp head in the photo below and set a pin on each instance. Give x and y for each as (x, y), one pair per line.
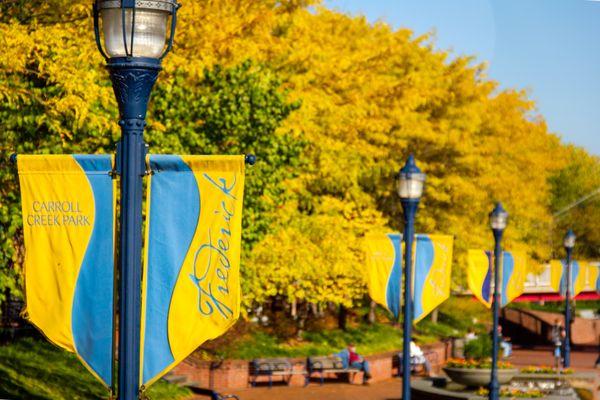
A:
(410, 181)
(498, 218)
(135, 28)
(569, 240)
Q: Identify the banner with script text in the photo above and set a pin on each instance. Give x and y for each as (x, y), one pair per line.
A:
(191, 287)
(558, 277)
(68, 204)
(480, 276)
(432, 273)
(384, 270)
(513, 276)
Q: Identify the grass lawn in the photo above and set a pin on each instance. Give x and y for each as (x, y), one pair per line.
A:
(32, 369)
(247, 341)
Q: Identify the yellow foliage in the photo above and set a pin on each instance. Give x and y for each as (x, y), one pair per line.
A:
(370, 95)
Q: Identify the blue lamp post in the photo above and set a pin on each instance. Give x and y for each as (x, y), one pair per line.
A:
(410, 188)
(498, 221)
(137, 36)
(569, 243)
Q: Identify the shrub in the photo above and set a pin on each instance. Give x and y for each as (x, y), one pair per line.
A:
(479, 348)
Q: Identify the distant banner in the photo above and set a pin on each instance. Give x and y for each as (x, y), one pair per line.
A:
(581, 281)
(384, 267)
(433, 270)
(191, 288)
(68, 204)
(558, 277)
(480, 276)
(514, 274)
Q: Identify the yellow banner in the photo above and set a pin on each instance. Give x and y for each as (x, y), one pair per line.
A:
(479, 275)
(513, 276)
(384, 270)
(68, 206)
(191, 288)
(433, 270)
(558, 276)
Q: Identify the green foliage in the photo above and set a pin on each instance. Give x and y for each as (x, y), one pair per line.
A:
(35, 370)
(369, 339)
(234, 110)
(559, 306)
(464, 312)
(479, 348)
(579, 180)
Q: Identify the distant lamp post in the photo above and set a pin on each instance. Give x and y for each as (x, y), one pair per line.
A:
(410, 188)
(137, 34)
(569, 243)
(498, 222)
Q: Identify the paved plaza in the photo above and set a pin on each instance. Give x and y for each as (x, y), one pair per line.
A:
(390, 390)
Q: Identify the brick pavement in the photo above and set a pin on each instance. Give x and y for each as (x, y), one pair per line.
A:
(580, 360)
(387, 390)
(390, 389)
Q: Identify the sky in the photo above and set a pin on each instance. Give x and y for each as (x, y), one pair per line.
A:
(551, 48)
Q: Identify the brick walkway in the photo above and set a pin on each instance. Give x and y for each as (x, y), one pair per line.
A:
(388, 390)
(391, 389)
(580, 360)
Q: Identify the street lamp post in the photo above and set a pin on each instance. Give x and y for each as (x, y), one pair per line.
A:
(410, 188)
(498, 221)
(135, 42)
(569, 243)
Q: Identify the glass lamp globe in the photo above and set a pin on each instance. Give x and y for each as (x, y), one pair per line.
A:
(147, 22)
(498, 218)
(411, 181)
(569, 240)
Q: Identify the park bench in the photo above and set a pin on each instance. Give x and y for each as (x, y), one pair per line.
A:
(328, 364)
(274, 367)
(416, 366)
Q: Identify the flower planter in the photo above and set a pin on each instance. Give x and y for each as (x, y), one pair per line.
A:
(476, 377)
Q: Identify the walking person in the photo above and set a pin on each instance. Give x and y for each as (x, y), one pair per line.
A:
(558, 335)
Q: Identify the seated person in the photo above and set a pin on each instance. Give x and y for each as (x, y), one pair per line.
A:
(505, 343)
(471, 335)
(417, 357)
(351, 359)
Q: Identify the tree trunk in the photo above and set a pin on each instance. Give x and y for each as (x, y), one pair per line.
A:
(293, 310)
(434, 316)
(342, 316)
(372, 307)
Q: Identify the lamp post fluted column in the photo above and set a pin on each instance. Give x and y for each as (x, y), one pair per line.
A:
(410, 210)
(494, 386)
(569, 243)
(498, 221)
(132, 83)
(410, 188)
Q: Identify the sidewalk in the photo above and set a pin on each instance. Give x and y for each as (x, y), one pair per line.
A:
(387, 390)
(580, 360)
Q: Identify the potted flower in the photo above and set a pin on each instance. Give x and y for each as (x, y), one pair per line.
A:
(545, 370)
(475, 369)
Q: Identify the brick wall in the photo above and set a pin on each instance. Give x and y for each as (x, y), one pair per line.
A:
(235, 374)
